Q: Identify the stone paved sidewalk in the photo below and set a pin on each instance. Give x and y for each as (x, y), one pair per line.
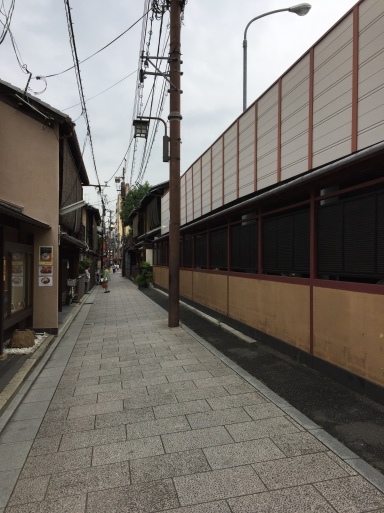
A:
(129, 415)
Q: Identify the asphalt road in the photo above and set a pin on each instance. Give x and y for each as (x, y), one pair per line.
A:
(353, 419)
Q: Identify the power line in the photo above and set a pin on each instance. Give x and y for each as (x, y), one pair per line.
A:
(101, 49)
(79, 84)
(8, 18)
(105, 90)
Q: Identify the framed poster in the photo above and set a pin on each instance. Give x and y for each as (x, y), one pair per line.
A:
(45, 266)
(45, 255)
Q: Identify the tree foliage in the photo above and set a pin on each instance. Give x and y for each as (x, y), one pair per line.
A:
(132, 200)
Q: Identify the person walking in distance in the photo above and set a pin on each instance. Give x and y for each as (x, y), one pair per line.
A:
(87, 279)
(106, 278)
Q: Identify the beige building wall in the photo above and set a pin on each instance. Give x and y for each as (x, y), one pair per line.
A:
(349, 331)
(29, 155)
(348, 327)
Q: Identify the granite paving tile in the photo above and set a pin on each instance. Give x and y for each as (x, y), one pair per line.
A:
(351, 495)
(298, 470)
(123, 451)
(207, 507)
(298, 444)
(134, 382)
(201, 393)
(168, 466)
(59, 427)
(173, 410)
(75, 504)
(122, 394)
(45, 445)
(79, 482)
(116, 378)
(196, 439)
(263, 411)
(95, 409)
(124, 417)
(138, 498)
(79, 400)
(171, 387)
(55, 415)
(179, 363)
(218, 418)
(302, 499)
(96, 389)
(157, 427)
(221, 380)
(188, 376)
(29, 490)
(232, 401)
(13, 455)
(150, 400)
(261, 428)
(243, 388)
(242, 453)
(217, 484)
(49, 463)
(92, 438)
(94, 374)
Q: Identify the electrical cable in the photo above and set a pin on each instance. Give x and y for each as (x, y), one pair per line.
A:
(101, 49)
(80, 85)
(8, 18)
(105, 90)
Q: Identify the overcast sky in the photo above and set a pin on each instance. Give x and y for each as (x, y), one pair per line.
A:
(211, 43)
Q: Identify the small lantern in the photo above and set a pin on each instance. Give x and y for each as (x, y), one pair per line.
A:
(141, 128)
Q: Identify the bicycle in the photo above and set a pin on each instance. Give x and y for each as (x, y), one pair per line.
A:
(71, 282)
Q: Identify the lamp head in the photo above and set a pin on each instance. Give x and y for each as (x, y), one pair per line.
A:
(300, 9)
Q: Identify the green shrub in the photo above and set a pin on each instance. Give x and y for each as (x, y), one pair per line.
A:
(145, 276)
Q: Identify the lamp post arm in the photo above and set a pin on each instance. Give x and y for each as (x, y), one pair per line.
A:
(245, 52)
(158, 119)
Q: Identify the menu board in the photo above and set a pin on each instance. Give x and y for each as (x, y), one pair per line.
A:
(45, 266)
(17, 270)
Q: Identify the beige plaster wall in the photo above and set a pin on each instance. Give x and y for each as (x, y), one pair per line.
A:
(211, 290)
(160, 276)
(29, 177)
(349, 331)
(279, 309)
(186, 284)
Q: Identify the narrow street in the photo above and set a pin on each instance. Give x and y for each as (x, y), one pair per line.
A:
(128, 415)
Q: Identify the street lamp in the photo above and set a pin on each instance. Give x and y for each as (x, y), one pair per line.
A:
(141, 130)
(300, 10)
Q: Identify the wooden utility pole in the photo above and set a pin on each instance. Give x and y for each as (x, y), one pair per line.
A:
(174, 165)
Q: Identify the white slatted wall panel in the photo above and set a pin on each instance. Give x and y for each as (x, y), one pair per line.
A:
(197, 189)
(188, 179)
(165, 214)
(230, 164)
(295, 120)
(217, 174)
(247, 152)
(332, 108)
(267, 135)
(206, 173)
(183, 217)
(371, 73)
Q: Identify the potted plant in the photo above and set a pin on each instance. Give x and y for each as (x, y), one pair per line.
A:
(145, 275)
